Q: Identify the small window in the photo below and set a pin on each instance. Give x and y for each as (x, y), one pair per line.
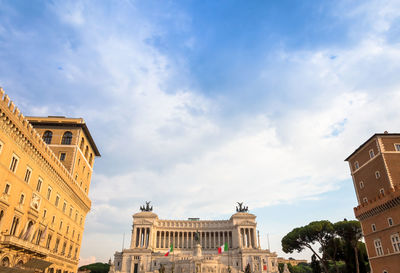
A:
(70, 211)
(396, 146)
(39, 185)
(76, 216)
(371, 153)
(82, 144)
(7, 189)
(14, 225)
(76, 176)
(361, 185)
(28, 174)
(90, 159)
(80, 222)
(62, 156)
(86, 151)
(378, 247)
(382, 191)
(377, 174)
(53, 220)
(48, 193)
(47, 136)
(21, 199)
(365, 200)
(57, 200)
(48, 241)
(356, 166)
(61, 224)
(14, 163)
(64, 206)
(390, 222)
(67, 138)
(67, 231)
(373, 227)
(395, 242)
(44, 213)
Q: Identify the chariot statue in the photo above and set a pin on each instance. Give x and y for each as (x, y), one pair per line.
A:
(147, 207)
(241, 208)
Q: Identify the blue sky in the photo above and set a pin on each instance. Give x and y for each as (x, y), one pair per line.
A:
(198, 104)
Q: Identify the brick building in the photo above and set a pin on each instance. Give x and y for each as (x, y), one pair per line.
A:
(375, 169)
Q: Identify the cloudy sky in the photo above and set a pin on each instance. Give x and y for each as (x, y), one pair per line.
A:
(197, 104)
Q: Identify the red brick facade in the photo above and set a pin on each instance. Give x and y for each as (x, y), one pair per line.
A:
(375, 168)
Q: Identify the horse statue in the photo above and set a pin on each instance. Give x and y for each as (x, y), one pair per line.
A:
(147, 207)
(241, 208)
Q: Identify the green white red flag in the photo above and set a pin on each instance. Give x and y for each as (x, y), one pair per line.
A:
(169, 250)
(223, 248)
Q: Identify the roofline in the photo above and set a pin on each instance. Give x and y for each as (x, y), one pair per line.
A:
(73, 124)
(368, 140)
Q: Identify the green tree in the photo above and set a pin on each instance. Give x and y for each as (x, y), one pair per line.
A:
(351, 233)
(300, 238)
(315, 267)
(281, 267)
(96, 267)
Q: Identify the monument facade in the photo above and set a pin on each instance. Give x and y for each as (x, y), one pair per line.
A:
(198, 246)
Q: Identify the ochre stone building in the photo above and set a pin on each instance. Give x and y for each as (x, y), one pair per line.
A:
(45, 171)
(152, 237)
(375, 168)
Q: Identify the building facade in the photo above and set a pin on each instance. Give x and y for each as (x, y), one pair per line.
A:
(45, 171)
(195, 245)
(375, 169)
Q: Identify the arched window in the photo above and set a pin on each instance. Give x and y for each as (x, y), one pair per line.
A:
(19, 264)
(86, 151)
(82, 144)
(5, 262)
(47, 136)
(67, 138)
(90, 159)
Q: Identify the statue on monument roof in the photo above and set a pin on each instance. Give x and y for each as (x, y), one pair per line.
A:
(241, 208)
(147, 207)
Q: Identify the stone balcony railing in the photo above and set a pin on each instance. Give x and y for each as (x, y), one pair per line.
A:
(15, 242)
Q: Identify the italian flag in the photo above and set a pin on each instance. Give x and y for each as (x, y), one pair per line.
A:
(223, 248)
(169, 250)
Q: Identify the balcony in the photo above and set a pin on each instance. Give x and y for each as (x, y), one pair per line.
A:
(22, 245)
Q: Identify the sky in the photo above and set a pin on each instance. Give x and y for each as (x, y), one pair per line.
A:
(195, 105)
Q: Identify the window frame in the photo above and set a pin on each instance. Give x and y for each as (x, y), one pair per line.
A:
(396, 147)
(47, 139)
(390, 221)
(49, 192)
(378, 247)
(57, 201)
(373, 227)
(39, 184)
(395, 244)
(365, 200)
(356, 165)
(382, 191)
(371, 153)
(21, 199)
(7, 188)
(362, 185)
(28, 176)
(13, 167)
(63, 156)
(67, 139)
(377, 174)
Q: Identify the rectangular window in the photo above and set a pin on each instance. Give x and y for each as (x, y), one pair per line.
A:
(7, 189)
(365, 200)
(371, 153)
(377, 174)
(373, 227)
(49, 193)
(57, 200)
(53, 220)
(14, 163)
(63, 248)
(14, 225)
(44, 213)
(39, 234)
(356, 166)
(396, 146)
(390, 222)
(64, 206)
(61, 224)
(378, 247)
(56, 245)
(382, 191)
(28, 174)
(62, 156)
(361, 185)
(39, 185)
(396, 242)
(21, 199)
(70, 211)
(48, 241)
